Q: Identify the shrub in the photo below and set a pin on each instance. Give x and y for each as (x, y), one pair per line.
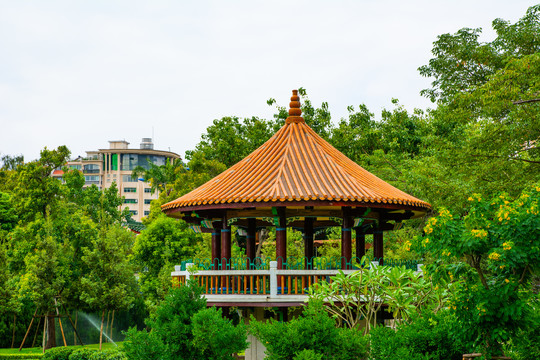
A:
(58, 353)
(82, 354)
(215, 337)
(143, 345)
(110, 354)
(308, 355)
(314, 330)
(428, 336)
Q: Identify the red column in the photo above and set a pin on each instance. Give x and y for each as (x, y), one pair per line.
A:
(346, 241)
(216, 244)
(378, 246)
(225, 244)
(281, 237)
(308, 240)
(250, 241)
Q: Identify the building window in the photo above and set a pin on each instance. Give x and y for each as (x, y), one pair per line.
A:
(91, 169)
(130, 190)
(133, 212)
(147, 201)
(75, 167)
(146, 212)
(130, 201)
(147, 190)
(91, 179)
(128, 178)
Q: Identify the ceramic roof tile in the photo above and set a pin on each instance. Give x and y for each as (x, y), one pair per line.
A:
(295, 164)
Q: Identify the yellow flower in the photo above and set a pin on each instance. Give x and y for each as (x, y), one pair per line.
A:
(470, 199)
(506, 281)
(507, 246)
(479, 233)
(494, 256)
(502, 266)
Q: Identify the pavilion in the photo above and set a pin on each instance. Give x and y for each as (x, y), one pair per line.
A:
(296, 179)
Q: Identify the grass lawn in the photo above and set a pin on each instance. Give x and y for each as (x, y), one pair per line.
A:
(37, 350)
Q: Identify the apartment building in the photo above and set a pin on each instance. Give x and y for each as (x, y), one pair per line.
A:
(115, 165)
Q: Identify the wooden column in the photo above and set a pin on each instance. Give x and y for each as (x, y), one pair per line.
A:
(225, 244)
(308, 240)
(216, 244)
(281, 237)
(346, 241)
(360, 243)
(378, 246)
(250, 241)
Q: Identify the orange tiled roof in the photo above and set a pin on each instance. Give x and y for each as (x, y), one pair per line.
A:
(295, 164)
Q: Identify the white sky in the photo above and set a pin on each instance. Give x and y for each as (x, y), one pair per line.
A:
(80, 73)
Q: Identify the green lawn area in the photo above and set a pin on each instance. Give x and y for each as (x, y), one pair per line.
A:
(38, 350)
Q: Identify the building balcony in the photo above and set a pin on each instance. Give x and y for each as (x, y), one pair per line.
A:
(262, 284)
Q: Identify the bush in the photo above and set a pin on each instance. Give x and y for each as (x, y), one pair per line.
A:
(308, 355)
(314, 330)
(110, 354)
(428, 336)
(58, 353)
(82, 354)
(184, 329)
(215, 337)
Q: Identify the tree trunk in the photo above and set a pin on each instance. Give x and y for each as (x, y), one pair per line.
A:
(107, 325)
(75, 328)
(101, 330)
(14, 325)
(51, 332)
(112, 322)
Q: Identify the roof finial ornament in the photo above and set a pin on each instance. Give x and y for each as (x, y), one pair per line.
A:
(294, 111)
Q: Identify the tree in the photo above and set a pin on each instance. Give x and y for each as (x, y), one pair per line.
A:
(159, 176)
(462, 63)
(163, 244)
(45, 278)
(34, 189)
(496, 252)
(182, 328)
(110, 282)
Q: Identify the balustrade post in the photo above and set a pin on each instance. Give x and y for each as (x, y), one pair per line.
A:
(273, 278)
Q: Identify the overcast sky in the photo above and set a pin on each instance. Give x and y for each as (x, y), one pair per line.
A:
(81, 73)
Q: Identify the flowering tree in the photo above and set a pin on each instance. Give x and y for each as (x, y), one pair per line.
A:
(499, 241)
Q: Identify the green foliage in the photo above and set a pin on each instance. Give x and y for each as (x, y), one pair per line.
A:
(357, 297)
(182, 328)
(164, 243)
(82, 354)
(109, 354)
(428, 336)
(314, 330)
(143, 345)
(58, 353)
(308, 355)
(215, 337)
(499, 239)
(462, 63)
(109, 284)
